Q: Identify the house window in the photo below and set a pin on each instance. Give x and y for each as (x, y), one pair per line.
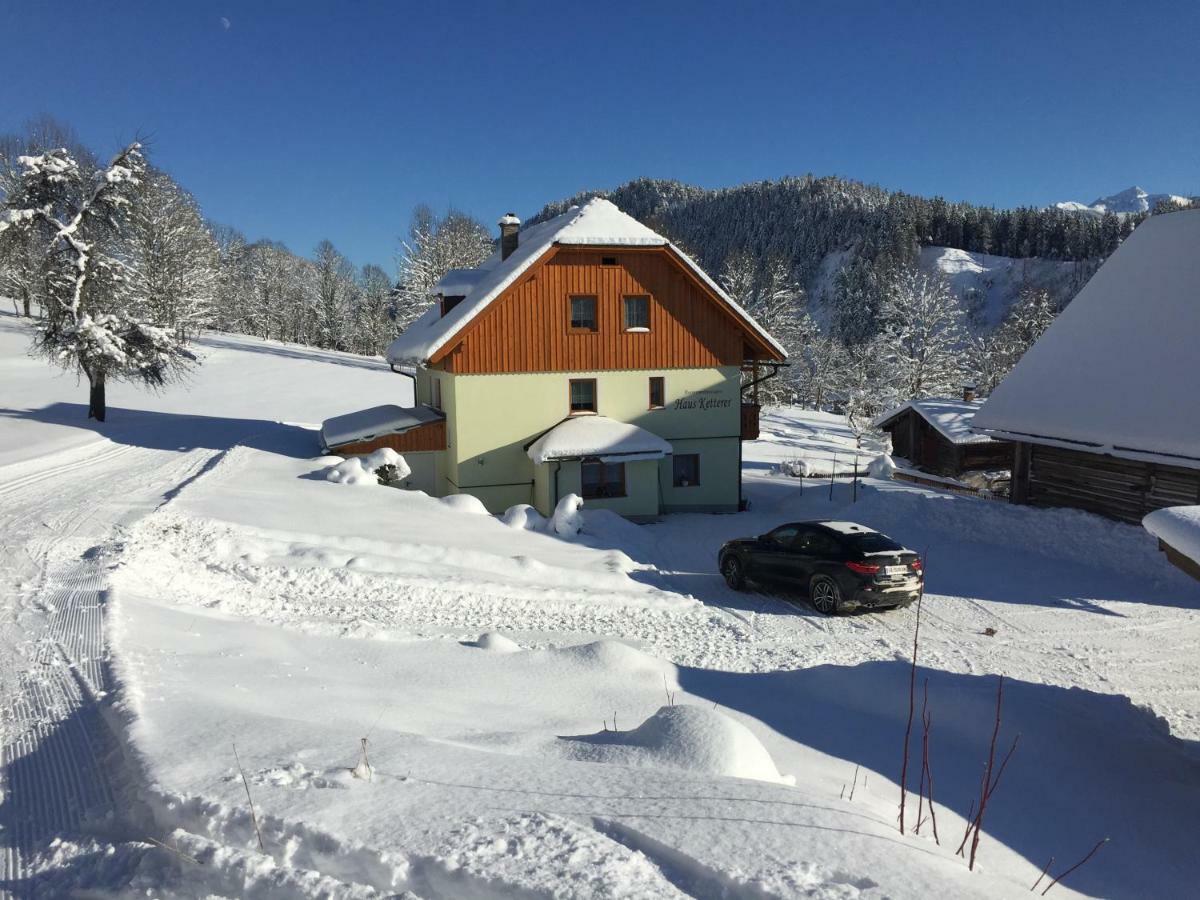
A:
(448, 303)
(608, 260)
(687, 469)
(637, 313)
(583, 395)
(658, 392)
(435, 393)
(583, 313)
(603, 480)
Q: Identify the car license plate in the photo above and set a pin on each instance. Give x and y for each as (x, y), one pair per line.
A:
(895, 570)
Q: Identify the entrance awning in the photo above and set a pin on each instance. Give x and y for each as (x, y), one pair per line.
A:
(597, 437)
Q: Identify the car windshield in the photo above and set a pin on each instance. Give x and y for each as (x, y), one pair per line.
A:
(872, 542)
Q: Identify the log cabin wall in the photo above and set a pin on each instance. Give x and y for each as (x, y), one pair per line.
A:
(1122, 489)
(528, 328)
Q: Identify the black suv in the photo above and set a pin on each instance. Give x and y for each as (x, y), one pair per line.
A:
(842, 565)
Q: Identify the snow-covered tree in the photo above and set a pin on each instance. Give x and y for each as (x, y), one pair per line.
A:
(375, 326)
(434, 247)
(335, 287)
(922, 341)
(91, 308)
(173, 258)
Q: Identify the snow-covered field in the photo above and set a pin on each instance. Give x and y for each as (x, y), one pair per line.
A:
(599, 717)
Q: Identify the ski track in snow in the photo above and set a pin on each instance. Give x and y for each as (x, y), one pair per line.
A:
(58, 753)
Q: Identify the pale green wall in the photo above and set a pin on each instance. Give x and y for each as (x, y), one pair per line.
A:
(490, 418)
(641, 488)
(425, 474)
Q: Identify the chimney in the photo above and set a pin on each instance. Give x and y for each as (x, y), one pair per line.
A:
(510, 230)
(968, 393)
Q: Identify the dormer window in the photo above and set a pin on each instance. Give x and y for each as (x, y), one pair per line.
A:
(448, 303)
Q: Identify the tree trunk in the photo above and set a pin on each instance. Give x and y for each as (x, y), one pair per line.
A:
(25, 304)
(96, 406)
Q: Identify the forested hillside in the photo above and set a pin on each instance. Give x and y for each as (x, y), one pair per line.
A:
(803, 220)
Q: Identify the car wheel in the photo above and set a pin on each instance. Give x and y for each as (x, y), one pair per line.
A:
(825, 595)
(731, 568)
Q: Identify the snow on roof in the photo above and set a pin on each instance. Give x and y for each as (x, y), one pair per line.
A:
(1117, 370)
(845, 527)
(1177, 526)
(597, 223)
(598, 436)
(458, 282)
(951, 418)
(369, 423)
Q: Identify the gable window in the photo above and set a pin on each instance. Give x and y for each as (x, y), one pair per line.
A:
(637, 313)
(602, 479)
(608, 260)
(658, 392)
(582, 395)
(686, 469)
(583, 313)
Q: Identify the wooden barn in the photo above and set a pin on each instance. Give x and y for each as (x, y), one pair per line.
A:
(1104, 408)
(935, 436)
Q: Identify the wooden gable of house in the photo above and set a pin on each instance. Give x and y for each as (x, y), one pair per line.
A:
(527, 328)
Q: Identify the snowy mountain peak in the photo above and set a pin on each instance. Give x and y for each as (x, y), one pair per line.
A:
(1131, 200)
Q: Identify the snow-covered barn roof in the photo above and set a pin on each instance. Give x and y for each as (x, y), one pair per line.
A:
(598, 223)
(1117, 371)
(597, 436)
(951, 418)
(371, 423)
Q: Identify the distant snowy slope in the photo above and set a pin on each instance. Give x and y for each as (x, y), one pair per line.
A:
(1130, 200)
(988, 285)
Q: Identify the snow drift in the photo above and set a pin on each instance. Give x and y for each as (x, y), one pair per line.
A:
(683, 737)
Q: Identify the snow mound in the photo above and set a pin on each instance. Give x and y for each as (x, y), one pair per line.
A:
(567, 520)
(497, 643)
(615, 656)
(524, 516)
(882, 466)
(466, 503)
(361, 469)
(692, 738)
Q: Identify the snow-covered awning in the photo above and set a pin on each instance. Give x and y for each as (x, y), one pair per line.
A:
(951, 418)
(599, 437)
(367, 424)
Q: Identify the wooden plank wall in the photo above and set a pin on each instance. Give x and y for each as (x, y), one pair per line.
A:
(1122, 489)
(430, 436)
(528, 329)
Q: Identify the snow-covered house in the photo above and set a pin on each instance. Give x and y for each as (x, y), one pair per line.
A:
(588, 355)
(1105, 407)
(935, 435)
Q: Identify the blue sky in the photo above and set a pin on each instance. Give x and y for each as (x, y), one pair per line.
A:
(301, 121)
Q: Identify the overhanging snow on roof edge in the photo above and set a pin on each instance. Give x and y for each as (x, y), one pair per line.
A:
(1166, 459)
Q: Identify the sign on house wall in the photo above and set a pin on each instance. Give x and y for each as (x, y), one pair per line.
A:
(703, 400)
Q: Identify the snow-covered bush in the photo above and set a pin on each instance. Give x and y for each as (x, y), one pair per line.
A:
(466, 503)
(795, 468)
(567, 520)
(525, 517)
(384, 466)
(881, 466)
